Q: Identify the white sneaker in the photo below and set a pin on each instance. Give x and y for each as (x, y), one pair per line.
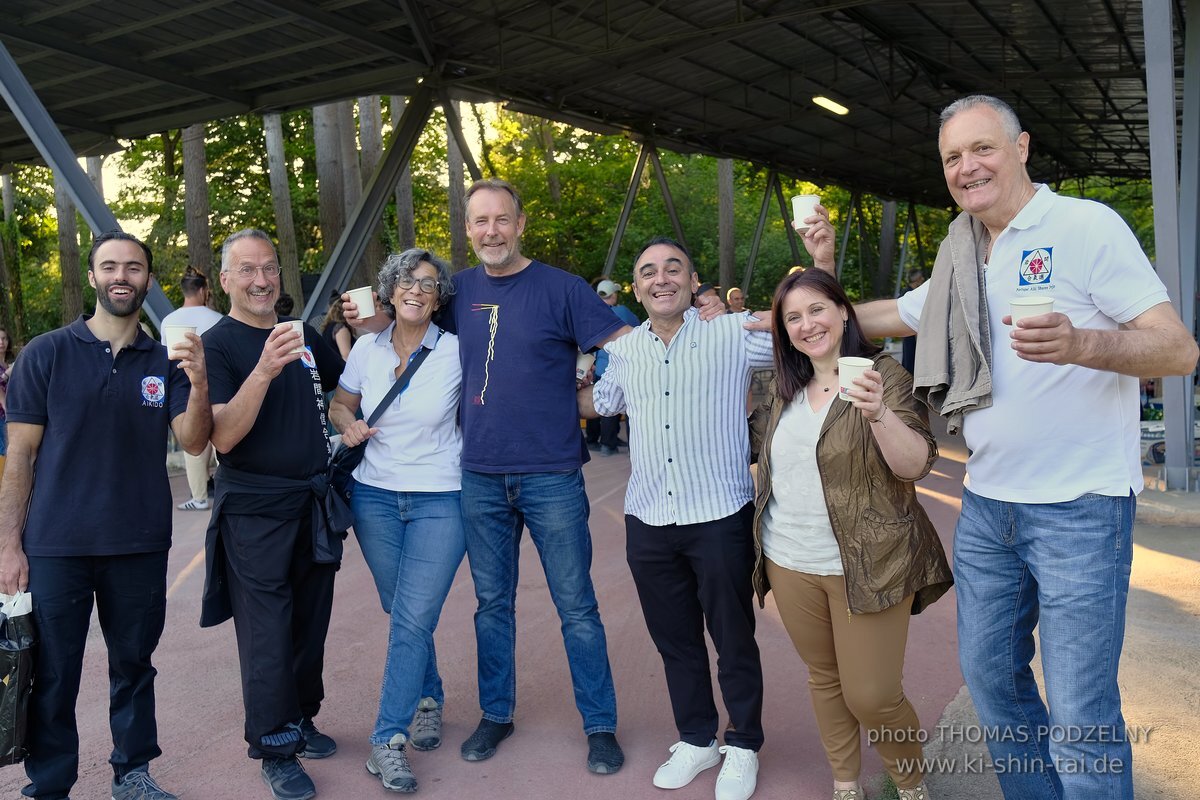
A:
(686, 762)
(193, 505)
(739, 774)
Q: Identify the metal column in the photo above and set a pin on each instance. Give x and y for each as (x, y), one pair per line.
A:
(610, 260)
(1178, 407)
(772, 177)
(455, 122)
(786, 214)
(49, 141)
(367, 211)
(668, 200)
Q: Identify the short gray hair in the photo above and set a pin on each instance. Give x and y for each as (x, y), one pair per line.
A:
(401, 265)
(495, 185)
(234, 238)
(1008, 117)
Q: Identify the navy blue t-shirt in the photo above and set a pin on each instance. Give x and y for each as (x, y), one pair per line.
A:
(288, 438)
(100, 480)
(518, 337)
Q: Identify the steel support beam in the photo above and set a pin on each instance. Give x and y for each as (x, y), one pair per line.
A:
(369, 209)
(455, 123)
(854, 200)
(758, 231)
(786, 214)
(1178, 405)
(610, 260)
(49, 141)
(668, 200)
(908, 224)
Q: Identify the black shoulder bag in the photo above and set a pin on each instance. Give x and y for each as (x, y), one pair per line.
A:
(346, 459)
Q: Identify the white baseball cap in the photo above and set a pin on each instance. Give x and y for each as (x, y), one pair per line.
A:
(607, 287)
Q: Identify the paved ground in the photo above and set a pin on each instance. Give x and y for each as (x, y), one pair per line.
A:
(200, 705)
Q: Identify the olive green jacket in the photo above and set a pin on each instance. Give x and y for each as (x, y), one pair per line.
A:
(889, 547)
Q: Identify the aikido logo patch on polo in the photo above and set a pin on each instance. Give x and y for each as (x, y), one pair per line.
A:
(1036, 266)
(154, 391)
(307, 358)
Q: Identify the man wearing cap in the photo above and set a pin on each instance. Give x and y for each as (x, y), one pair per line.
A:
(704, 291)
(603, 433)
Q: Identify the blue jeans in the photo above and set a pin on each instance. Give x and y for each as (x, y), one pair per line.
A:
(555, 507)
(1064, 569)
(413, 543)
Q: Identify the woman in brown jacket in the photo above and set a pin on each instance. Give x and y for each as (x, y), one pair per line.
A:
(839, 535)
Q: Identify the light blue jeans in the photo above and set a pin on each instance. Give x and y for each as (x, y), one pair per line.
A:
(1064, 569)
(413, 543)
(496, 507)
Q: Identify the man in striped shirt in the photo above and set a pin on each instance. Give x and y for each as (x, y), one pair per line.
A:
(688, 508)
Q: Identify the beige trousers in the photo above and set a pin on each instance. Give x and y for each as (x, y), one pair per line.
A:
(855, 664)
(197, 472)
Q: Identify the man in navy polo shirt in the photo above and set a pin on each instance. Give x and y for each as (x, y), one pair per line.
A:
(271, 553)
(85, 510)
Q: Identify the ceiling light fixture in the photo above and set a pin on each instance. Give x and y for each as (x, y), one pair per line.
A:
(831, 105)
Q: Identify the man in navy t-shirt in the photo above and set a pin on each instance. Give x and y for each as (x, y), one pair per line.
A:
(85, 512)
(271, 556)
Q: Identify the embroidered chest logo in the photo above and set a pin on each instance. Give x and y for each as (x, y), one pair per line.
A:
(1036, 266)
(154, 391)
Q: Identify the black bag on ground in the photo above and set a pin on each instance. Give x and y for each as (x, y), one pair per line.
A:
(346, 459)
(16, 674)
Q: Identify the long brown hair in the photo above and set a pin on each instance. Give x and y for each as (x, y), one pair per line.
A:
(793, 369)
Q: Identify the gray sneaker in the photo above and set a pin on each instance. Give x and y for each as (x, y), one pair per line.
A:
(427, 725)
(138, 785)
(390, 764)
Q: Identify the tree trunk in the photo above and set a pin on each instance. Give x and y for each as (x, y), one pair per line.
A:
(370, 137)
(12, 257)
(195, 198)
(68, 253)
(331, 197)
(726, 249)
(881, 283)
(459, 255)
(406, 228)
(281, 199)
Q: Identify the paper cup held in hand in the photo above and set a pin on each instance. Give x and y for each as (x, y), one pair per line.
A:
(803, 208)
(175, 336)
(365, 300)
(583, 362)
(849, 368)
(1022, 307)
(298, 327)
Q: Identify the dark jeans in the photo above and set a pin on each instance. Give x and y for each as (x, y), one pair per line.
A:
(281, 606)
(688, 576)
(604, 430)
(130, 596)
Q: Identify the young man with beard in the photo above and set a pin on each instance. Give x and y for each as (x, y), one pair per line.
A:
(85, 512)
(272, 550)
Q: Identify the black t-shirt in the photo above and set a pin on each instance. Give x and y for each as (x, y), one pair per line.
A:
(289, 438)
(100, 480)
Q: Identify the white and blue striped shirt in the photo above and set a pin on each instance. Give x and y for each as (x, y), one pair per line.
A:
(686, 402)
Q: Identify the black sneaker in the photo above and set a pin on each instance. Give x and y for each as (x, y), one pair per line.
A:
(605, 450)
(604, 754)
(287, 780)
(313, 743)
(481, 745)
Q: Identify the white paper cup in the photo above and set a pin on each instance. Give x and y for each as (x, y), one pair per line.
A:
(583, 362)
(365, 300)
(849, 368)
(298, 327)
(802, 209)
(175, 336)
(1022, 307)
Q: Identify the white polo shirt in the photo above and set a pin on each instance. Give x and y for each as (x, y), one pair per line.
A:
(1056, 432)
(688, 438)
(419, 445)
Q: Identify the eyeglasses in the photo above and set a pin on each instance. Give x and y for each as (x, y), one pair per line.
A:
(246, 272)
(427, 284)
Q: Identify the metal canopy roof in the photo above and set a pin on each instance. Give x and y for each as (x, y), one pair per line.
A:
(724, 77)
